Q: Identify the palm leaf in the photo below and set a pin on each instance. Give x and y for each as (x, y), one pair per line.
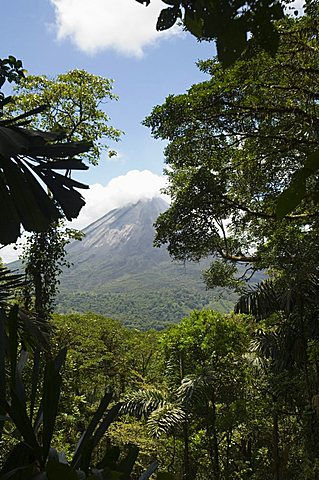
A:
(9, 282)
(193, 390)
(166, 419)
(143, 402)
(270, 297)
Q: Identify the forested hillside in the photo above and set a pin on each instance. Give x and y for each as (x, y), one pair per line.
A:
(144, 310)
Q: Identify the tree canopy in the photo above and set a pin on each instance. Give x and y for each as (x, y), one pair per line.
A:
(235, 143)
(75, 102)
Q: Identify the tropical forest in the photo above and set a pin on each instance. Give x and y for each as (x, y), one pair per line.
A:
(178, 339)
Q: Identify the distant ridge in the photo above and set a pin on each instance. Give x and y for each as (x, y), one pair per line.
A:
(116, 271)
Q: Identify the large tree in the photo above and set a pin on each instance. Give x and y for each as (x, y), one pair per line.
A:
(75, 102)
(235, 142)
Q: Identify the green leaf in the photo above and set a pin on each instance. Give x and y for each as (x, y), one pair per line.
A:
(21, 420)
(59, 150)
(290, 198)
(91, 442)
(18, 383)
(151, 469)
(87, 435)
(312, 161)
(231, 43)
(28, 114)
(2, 369)
(34, 207)
(12, 59)
(167, 18)
(2, 354)
(193, 23)
(109, 418)
(70, 200)
(34, 380)
(8, 216)
(12, 142)
(13, 340)
(127, 463)
(73, 164)
(18, 458)
(110, 457)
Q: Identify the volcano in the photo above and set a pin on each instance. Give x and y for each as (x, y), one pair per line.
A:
(115, 270)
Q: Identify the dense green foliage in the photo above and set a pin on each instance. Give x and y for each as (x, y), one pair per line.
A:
(211, 397)
(142, 310)
(216, 396)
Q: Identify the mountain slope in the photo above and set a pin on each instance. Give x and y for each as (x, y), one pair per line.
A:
(116, 271)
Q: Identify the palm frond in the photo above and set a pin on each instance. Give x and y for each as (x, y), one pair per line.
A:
(282, 348)
(278, 296)
(263, 301)
(9, 282)
(266, 344)
(166, 419)
(143, 402)
(27, 158)
(32, 330)
(193, 390)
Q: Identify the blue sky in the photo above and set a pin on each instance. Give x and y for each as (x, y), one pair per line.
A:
(30, 29)
(115, 39)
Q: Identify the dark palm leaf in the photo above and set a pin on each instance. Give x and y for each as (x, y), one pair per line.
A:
(26, 154)
(265, 300)
(33, 330)
(9, 282)
(266, 345)
(270, 297)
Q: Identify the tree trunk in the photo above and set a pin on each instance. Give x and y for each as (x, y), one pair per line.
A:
(213, 438)
(275, 439)
(186, 462)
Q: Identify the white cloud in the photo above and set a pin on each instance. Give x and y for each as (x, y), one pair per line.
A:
(122, 25)
(100, 199)
(120, 191)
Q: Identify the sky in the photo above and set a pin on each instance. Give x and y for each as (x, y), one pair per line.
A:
(116, 39)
